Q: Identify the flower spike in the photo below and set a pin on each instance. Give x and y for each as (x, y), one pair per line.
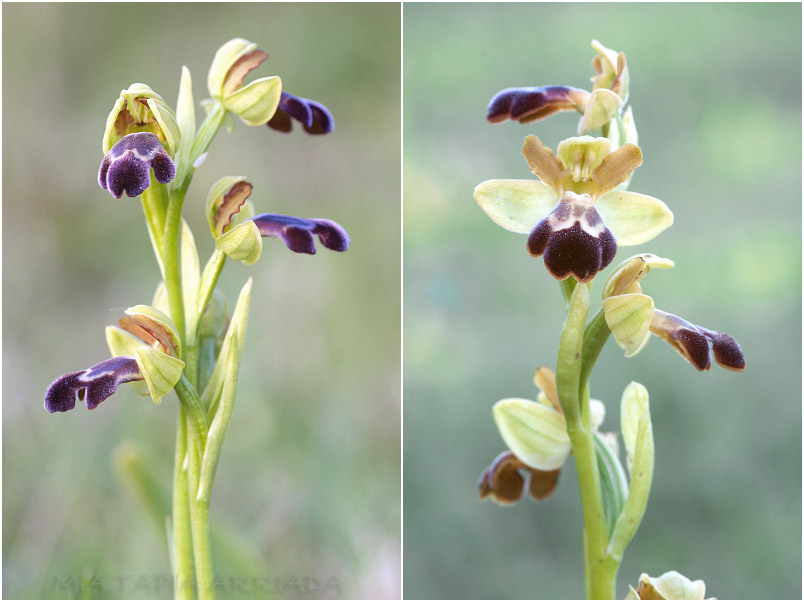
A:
(314, 116)
(297, 232)
(125, 168)
(93, 385)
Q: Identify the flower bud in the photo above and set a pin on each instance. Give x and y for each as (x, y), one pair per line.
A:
(140, 109)
(602, 106)
(670, 586)
(633, 409)
(612, 71)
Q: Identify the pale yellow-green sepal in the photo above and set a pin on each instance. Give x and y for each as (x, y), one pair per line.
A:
(243, 243)
(601, 107)
(516, 205)
(255, 103)
(629, 316)
(537, 434)
(226, 56)
(633, 218)
(161, 371)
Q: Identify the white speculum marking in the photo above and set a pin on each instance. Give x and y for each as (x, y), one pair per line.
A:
(578, 208)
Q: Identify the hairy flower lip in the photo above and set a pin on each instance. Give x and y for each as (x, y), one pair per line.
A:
(93, 385)
(126, 167)
(527, 104)
(693, 342)
(297, 232)
(574, 240)
(314, 116)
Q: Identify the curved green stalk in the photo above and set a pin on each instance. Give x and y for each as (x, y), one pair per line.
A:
(568, 376)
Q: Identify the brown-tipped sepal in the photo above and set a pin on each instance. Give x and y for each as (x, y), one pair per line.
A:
(314, 116)
(126, 167)
(693, 342)
(574, 239)
(93, 385)
(507, 479)
(531, 104)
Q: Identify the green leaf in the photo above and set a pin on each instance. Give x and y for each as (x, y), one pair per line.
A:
(613, 483)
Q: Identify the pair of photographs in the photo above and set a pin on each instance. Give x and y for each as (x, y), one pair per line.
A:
(279, 231)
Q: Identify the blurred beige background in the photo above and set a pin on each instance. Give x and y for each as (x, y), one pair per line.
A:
(308, 487)
(716, 91)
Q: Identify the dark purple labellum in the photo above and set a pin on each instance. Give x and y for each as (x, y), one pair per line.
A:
(531, 104)
(297, 232)
(574, 239)
(314, 116)
(125, 168)
(92, 385)
(728, 352)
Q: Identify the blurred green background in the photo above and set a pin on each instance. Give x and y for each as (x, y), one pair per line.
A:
(308, 488)
(716, 91)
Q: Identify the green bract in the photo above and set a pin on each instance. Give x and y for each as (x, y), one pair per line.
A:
(140, 109)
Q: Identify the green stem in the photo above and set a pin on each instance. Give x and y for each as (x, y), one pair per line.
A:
(182, 553)
(208, 281)
(199, 521)
(568, 376)
(170, 258)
